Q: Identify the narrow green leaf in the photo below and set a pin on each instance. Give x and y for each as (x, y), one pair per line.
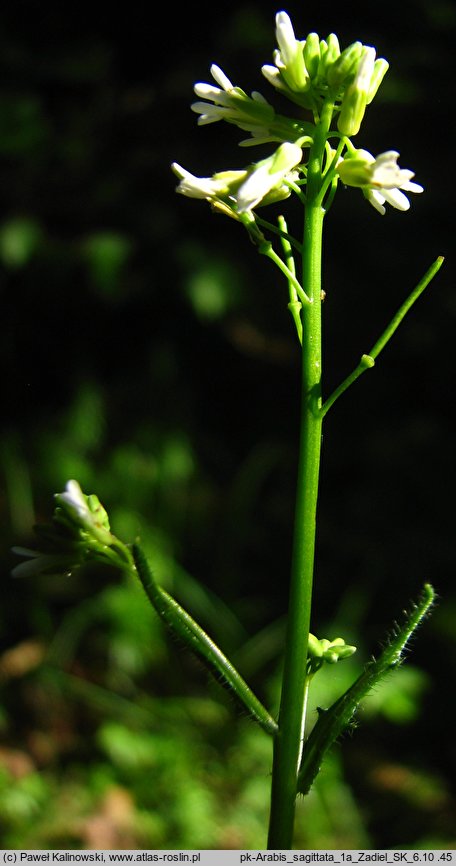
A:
(184, 627)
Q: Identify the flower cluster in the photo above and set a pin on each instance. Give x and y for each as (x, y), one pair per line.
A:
(314, 74)
(307, 70)
(79, 533)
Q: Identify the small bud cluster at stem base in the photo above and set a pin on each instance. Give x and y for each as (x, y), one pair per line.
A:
(320, 651)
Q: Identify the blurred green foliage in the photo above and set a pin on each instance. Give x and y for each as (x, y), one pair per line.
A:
(146, 352)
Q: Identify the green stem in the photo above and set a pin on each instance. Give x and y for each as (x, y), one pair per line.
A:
(368, 361)
(288, 742)
(295, 304)
(403, 310)
(281, 232)
(267, 250)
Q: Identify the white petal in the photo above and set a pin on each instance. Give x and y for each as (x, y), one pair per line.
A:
(179, 170)
(209, 113)
(207, 91)
(396, 198)
(197, 187)
(376, 199)
(74, 497)
(365, 69)
(254, 189)
(189, 184)
(286, 38)
(220, 77)
(412, 187)
(206, 108)
(386, 175)
(271, 73)
(214, 94)
(205, 119)
(388, 156)
(406, 175)
(268, 175)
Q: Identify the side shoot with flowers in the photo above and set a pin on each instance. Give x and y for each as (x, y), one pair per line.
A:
(328, 90)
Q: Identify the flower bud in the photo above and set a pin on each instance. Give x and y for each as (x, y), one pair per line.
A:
(312, 54)
(355, 170)
(344, 66)
(314, 648)
(322, 61)
(78, 534)
(285, 158)
(355, 97)
(290, 59)
(344, 652)
(381, 67)
(333, 51)
(77, 511)
(336, 650)
(324, 650)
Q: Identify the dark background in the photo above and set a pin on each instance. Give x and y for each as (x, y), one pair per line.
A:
(147, 351)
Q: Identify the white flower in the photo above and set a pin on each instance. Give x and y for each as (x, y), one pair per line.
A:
(253, 113)
(219, 190)
(230, 103)
(290, 58)
(238, 192)
(79, 533)
(83, 512)
(290, 70)
(75, 503)
(286, 39)
(381, 179)
(209, 188)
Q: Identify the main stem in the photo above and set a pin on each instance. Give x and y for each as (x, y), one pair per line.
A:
(288, 742)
